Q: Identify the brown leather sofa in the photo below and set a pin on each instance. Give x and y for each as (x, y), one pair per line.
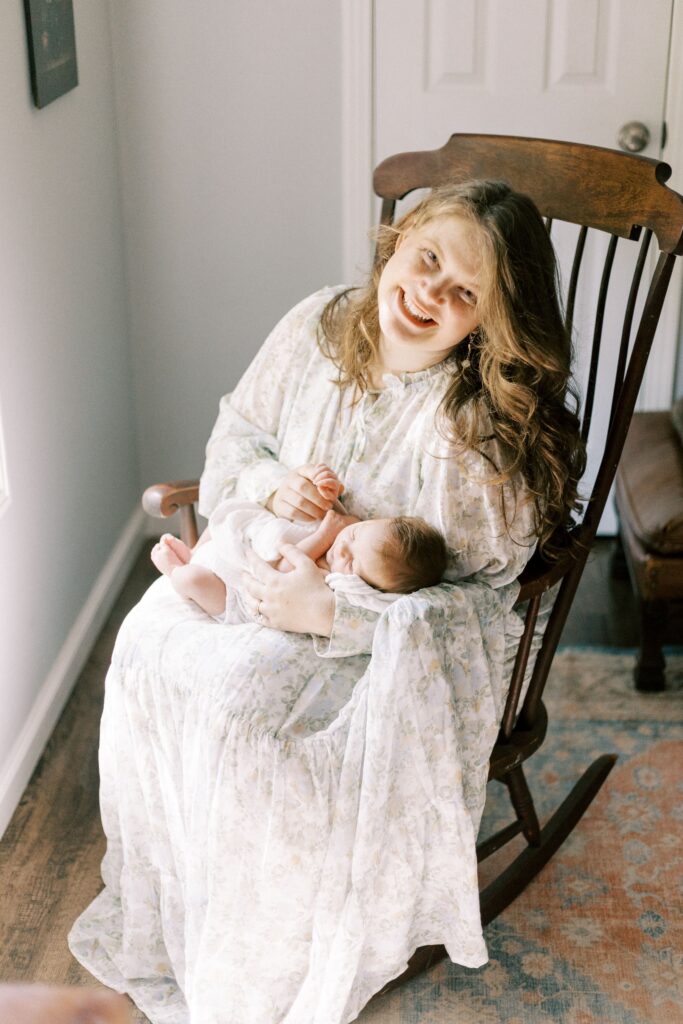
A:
(649, 499)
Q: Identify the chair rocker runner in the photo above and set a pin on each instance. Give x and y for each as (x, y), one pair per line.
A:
(599, 190)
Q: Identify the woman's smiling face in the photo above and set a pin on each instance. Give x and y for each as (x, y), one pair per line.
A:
(427, 294)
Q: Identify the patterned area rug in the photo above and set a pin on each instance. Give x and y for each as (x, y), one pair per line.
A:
(597, 938)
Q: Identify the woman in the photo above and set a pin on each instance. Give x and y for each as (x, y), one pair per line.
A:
(288, 818)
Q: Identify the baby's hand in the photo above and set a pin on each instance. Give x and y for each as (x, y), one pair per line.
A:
(338, 520)
(326, 480)
(332, 525)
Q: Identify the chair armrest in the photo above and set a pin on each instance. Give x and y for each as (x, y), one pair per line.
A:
(162, 500)
(538, 576)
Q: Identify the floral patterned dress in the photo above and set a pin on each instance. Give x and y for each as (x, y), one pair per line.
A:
(288, 817)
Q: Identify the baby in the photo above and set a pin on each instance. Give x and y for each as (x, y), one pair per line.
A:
(372, 561)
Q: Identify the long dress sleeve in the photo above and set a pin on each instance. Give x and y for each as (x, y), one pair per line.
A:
(243, 452)
(241, 461)
(353, 630)
(488, 525)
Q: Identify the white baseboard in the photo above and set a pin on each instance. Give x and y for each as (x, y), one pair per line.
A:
(55, 691)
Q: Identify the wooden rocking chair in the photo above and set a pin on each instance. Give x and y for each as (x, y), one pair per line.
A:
(625, 197)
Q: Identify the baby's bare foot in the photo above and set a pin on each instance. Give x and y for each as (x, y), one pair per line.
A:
(169, 554)
(179, 547)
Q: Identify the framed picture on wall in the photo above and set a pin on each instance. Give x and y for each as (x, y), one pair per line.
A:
(51, 48)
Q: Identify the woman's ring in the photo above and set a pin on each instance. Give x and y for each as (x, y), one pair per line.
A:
(259, 616)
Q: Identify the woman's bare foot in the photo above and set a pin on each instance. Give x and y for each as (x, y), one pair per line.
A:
(170, 553)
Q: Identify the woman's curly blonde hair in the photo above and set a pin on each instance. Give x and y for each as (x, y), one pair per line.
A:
(511, 378)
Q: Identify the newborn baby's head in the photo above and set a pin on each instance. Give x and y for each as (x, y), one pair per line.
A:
(397, 555)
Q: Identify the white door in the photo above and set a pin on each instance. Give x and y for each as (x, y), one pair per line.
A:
(558, 69)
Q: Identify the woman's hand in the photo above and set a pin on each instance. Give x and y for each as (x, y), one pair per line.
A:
(298, 498)
(298, 602)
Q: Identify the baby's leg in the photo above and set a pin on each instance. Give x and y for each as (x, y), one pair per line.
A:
(197, 583)
(193, 582)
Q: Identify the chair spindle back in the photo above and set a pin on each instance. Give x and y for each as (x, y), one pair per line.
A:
(599, 190)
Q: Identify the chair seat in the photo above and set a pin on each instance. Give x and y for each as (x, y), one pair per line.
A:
(657, 577)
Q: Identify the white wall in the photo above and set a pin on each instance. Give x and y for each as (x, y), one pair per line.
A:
(155, 223)
(230, 143)
(65, 376)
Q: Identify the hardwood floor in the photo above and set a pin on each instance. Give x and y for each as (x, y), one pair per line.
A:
(50, 854)
(51, 851)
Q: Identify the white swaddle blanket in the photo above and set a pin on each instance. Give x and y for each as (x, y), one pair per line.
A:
(238, 527)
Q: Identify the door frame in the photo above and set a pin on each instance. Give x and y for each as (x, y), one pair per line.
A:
(360, 208)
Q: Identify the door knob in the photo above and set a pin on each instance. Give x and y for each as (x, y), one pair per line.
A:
(633, 136)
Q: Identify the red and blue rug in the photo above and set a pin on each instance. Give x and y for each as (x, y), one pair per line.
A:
(597, 938)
